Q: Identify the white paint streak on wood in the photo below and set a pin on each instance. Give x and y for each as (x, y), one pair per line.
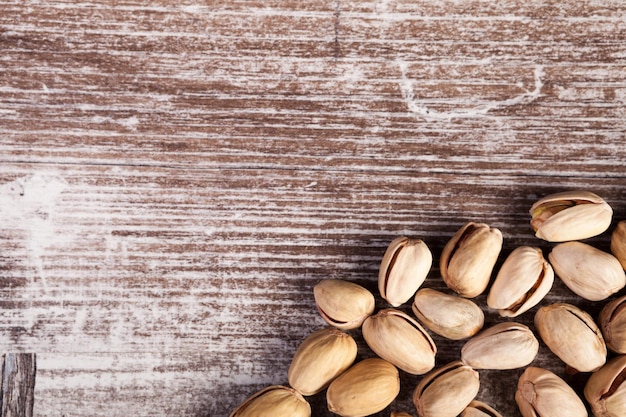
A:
(29, 204)
(478, 110)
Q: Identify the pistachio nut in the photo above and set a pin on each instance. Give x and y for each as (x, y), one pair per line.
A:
(505, 345)
(319, 359)
(572, 335)
(403, 269)
(343, 304)
(618, 243)
(446, 391)
(570, 215)
(274, 401)
(447, 315)
(589, 272)
(479, 409)
(605, 390)
(467, 260)
(367, 387)
(541, 393)
(523, 280)
(399, 339)
(613, 324)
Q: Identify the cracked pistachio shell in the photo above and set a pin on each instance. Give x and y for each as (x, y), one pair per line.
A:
(396, 337)
(320, 358)
(523, 280)
(606, 389)
(343, 304)
(403, 269)
(589, 272)
(365, 388)
(447, 315)
(468, 259)
(570, 215)
(572, 335)
(446, 391)
(618, 243)
(613, 324)
(541, 393)
(274, 401)
(400, 414)
(479, 409)
(505, 345)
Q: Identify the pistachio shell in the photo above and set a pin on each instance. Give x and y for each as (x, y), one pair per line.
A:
(505, 345)
(447, 315)
(613, 324)
(343, 304)
(587, 271)
(320, 358)
(523, 280)
(572, 335)
(365, 388)
(274, 401)
(606, 389)
(468, 259)
(570, 215)
(446, 391)
(541, 393)
(400, 414)
(399, 339)
(479, 409)
(403, 269)
(618, 243)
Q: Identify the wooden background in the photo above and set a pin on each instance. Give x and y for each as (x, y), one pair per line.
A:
(176, 176)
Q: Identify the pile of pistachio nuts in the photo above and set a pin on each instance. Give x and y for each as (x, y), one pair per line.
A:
(325, 360)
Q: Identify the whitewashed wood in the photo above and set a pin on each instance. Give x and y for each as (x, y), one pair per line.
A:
(176, 177)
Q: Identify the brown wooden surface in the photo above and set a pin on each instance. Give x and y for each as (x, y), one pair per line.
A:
(175, 177)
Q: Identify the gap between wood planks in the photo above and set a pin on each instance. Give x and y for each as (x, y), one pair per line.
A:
(511, 172)
(18, 384)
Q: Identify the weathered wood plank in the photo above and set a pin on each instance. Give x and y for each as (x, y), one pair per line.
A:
(18, 384)
(149, 269)
(221, 105)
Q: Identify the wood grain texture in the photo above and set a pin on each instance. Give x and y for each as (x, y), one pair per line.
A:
(18, 384)
(175, 177)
